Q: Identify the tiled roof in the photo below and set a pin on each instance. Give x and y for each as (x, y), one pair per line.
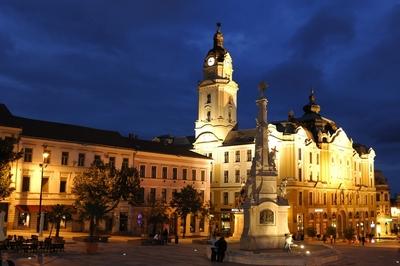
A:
(86, 135)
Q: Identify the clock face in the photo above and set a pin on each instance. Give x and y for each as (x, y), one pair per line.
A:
(211, 61)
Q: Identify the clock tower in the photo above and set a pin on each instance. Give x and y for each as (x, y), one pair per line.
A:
(217, 101)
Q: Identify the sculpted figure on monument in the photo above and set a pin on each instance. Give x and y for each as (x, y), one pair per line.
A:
(272, 158)
(282, 188)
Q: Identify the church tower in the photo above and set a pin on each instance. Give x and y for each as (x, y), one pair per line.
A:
(217, 101)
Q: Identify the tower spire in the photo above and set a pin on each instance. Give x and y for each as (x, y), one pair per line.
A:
(218, 37)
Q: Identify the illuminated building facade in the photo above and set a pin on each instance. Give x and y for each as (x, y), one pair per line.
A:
(383, 211)
(330, 178)
(163, 169)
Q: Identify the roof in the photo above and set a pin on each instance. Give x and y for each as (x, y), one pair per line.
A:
(240, 137)
(86, 135)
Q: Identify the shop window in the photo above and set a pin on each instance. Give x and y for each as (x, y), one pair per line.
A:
(201, 224)
(24, 219)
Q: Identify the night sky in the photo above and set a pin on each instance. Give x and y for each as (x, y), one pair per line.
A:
(134, 66)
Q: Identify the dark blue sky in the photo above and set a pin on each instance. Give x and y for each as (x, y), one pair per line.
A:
(134, 66)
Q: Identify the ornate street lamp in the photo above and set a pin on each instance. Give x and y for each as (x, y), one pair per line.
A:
(43, 165)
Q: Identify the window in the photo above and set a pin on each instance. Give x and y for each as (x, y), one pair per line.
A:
(64, 158)
(24, 219)
(208, 116)
(194, 175)
(378, 197)
(386, 197)
(97, 158)
(164, 195)
(299, 154)
(201, 195)
(249, 155)
(47, 160)
(226, 157)
(139, 197)
(248, 173)
(203, 175)
(317, 159)
(184, 174)
(45, 185)
(237, 176)
(300, 174)
(152, 196)
(63, 185)
(208, 98)
(192, 223)
(230, 116)
(209, 155)
(324, 198)
(142, 171)
(111, 161)
(300, 198)
(125, 163)
(226, 198)
(310, 157)
(310, 198)
(174, 173)
(164, 172)
(237, 156)
(226, 176)
(81, 159)
(25, 183)
(154, 171)
(311, 176)
(28, 154)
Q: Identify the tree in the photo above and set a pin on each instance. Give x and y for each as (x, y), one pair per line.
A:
(58, 214)
(311, 232)
(100, 189)
(348, 233)
(187, 201)
(7, 156)
(331, 231)
(158, 215)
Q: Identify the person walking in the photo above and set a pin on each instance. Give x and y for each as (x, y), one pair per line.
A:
(221, 246)
(165, 236)
(363, 240)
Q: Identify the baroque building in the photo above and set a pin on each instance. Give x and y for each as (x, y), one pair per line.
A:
(384, 222)
(330, 178)
(163, 169)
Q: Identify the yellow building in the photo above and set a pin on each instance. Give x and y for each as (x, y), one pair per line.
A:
(163, 169)
(330, 178)
(383, 207)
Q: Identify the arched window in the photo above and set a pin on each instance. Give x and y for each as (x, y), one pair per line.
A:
(267, 217)
(208, 98)
(325, 216)
(208, 116)
(350, 215)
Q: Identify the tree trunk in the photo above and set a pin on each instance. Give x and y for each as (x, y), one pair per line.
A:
(91, 227)
(58, 225)
(184, 225)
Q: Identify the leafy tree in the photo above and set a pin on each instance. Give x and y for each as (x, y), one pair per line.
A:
(7, 156)
(158, 215)
(100, 189)
(187, 201)
(57, 214)
(348, 233)
(311, 232)
(331, 230)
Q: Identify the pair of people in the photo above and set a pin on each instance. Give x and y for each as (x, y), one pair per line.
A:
(288, 242)
(218, 250)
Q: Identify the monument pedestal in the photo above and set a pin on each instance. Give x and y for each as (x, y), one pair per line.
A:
(266, 227)
(238, 229)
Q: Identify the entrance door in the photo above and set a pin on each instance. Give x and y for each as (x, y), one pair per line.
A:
(123, 221)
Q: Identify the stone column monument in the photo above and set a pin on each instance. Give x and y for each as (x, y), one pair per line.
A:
(265, 212)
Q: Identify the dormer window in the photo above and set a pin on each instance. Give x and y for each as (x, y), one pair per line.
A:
(208, 98)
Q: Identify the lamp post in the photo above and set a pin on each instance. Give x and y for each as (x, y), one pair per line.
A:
(42, 165)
